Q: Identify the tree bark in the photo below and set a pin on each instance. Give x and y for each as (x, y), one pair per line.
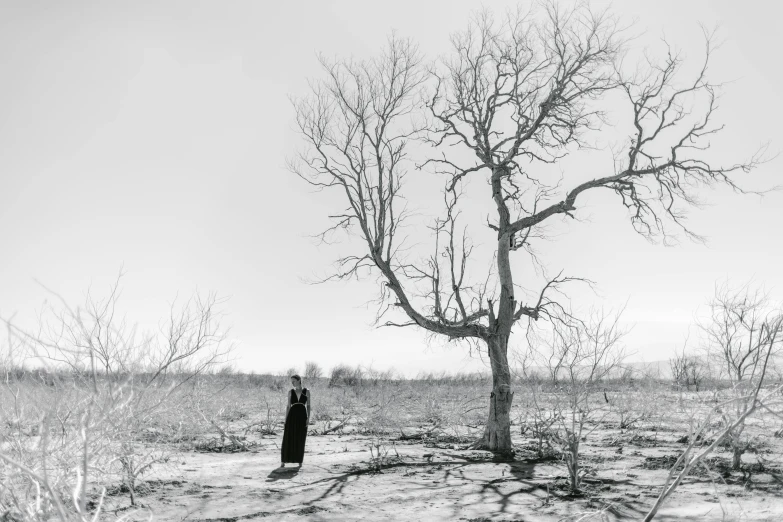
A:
(497, 431)
(572, 463)
(737, 447)
(736, 459)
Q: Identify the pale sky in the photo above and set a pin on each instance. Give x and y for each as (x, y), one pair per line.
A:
(153, 136)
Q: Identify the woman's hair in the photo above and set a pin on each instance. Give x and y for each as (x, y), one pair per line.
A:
(295, 376)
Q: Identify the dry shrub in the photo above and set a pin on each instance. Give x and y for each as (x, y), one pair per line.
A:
(577, 355)
(344, 375)
(632, 407)
(91, 419)
(313, 370)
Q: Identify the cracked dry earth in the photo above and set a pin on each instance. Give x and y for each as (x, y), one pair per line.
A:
(437, 482)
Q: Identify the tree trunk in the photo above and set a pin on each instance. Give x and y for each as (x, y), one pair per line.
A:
(736, 457)
(497, 432)
(735, 441)
(572, 462)
(132, 493)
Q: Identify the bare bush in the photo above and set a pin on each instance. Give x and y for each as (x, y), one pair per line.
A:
(540, 419)
(687, 370)
(744, 332)
(270, 419)
(384, 413)
(375, 377)
(313, 370)
(577, 356)
(632, 407)
(108, 386)
(344, 375)
(226, 370)
(697, 450)
(380, 453)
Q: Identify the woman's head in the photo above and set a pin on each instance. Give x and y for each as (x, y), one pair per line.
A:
(296, 380)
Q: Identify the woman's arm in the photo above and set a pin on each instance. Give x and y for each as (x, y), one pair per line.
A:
(287, 405)
(309, 405)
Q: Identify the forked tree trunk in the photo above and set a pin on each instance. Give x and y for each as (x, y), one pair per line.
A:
(497, 432)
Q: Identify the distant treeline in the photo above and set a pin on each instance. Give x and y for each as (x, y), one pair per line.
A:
(343, 375)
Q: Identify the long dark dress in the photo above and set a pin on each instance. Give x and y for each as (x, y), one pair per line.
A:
(295, 432)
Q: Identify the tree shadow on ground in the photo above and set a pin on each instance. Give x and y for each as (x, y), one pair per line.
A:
(555, 489)
(519, 480)
(521, 474)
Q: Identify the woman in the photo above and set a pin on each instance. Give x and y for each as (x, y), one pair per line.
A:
(297, 418)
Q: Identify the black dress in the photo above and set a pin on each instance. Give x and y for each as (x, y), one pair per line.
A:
(295, 429)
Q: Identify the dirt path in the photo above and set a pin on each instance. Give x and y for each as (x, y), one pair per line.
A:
(337, 483)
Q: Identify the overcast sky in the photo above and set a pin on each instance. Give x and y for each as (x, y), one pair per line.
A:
(152, 136)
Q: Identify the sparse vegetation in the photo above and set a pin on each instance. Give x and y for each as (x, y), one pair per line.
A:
(567, 424)
(105, 407)
(97, 418)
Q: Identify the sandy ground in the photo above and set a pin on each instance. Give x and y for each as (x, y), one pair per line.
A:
(440, 481)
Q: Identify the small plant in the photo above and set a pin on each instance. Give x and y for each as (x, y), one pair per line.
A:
(269, 420)
(540, 421)
(379, 453)
(135, 461)
(632, 407)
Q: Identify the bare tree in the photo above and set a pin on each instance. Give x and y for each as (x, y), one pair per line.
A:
(753, 396)
(514, 97)
(744, 335)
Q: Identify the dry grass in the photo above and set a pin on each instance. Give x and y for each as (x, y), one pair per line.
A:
(229, 412)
